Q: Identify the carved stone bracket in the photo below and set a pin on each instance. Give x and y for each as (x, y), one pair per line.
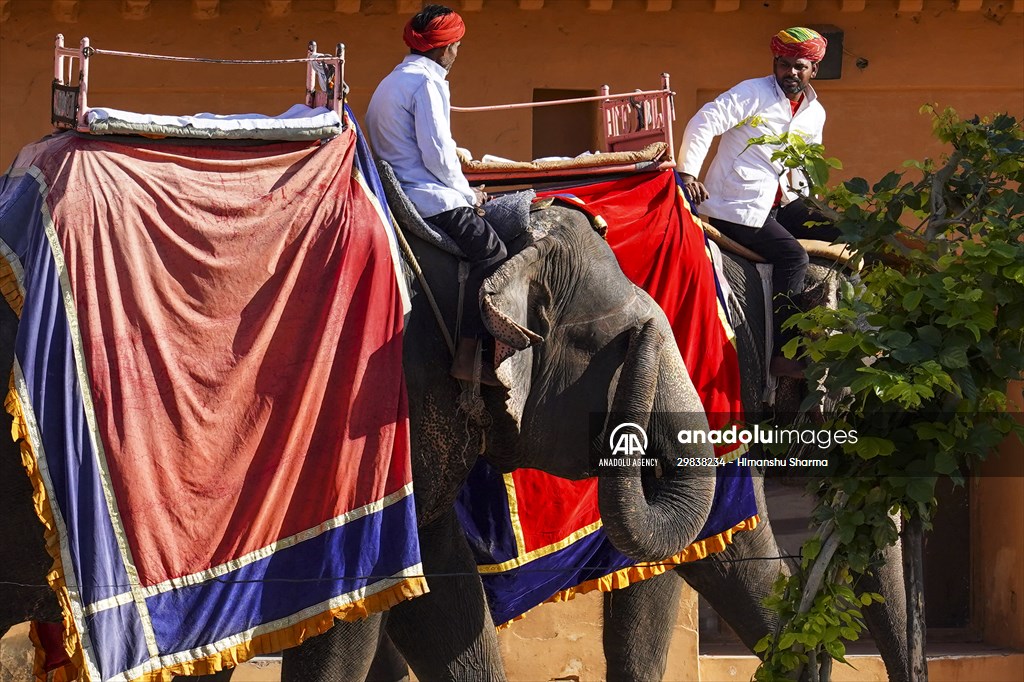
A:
(791, 6)
(910, 6)
(852, 6)
(727, 5)
(599, 5)
(531, 4)
(205, 9)
(65, 10)
(277, 8)
(659, 5)
(135, 9)
(472, 5)
(968, 5)
(5, 10)
(347, 6)
(409, 6)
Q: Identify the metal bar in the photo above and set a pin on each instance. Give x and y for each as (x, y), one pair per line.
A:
(83, 83)
(526, 176)
(58, 59)
(531, 105)
(204, 60)
(339, 82)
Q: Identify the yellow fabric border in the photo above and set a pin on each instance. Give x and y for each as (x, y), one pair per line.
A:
(290, 636)
(9, 287)
(633, 574)
(270, 642)
(55, 577)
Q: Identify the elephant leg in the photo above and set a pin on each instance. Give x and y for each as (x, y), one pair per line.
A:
(447, 634)
(736, 580)
(887, 622)
(638, 624)
(388, 664)
(341, 654)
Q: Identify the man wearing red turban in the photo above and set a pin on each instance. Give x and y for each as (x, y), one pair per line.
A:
(747, 196)
(408, 121)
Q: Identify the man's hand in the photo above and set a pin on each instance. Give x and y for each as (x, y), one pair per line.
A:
(694, 189)
(481, 196)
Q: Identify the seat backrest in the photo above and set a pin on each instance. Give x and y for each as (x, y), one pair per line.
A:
(406, 215)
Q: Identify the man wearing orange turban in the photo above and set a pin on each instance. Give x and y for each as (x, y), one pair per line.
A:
(408, 121)
(750, 198)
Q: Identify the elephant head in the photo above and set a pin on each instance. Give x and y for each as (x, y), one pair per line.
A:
(591, 345)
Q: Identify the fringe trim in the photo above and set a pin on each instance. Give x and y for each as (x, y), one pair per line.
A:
(292, 635)
(55, 577)
(9, 287)
(625, 577)
(266, 643)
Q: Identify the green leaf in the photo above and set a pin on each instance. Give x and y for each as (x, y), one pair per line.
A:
(912, 299)
(945, 462)
(843, 343)
(930, 335)
(895, 338)
(869, 447)
(836, 650)
(857, 186)
(921, 489)
(811, 548)
(890, 181)
(953, 357)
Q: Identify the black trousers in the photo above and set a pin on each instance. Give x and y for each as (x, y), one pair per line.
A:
(485, 252)
(776, 241)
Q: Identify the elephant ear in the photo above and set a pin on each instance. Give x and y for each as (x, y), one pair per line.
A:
(504, 304)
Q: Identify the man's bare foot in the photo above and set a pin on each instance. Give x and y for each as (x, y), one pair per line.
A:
(782, 366)
(463, 364)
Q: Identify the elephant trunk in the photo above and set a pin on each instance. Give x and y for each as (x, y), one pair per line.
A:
(663, 525)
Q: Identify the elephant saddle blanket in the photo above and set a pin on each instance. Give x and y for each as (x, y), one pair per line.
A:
(208, 394)
(539, 538)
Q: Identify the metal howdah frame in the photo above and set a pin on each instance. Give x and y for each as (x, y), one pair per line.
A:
(325, 78)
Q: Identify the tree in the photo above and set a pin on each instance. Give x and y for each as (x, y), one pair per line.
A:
(923, 353)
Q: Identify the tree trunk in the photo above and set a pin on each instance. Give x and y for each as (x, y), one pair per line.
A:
(913, 565)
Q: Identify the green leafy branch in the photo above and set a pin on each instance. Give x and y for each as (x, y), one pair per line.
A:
(923, 350)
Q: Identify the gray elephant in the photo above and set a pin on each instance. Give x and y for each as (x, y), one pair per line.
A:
(735, 581)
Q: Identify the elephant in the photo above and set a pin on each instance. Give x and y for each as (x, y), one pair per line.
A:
(735, 581)
(587, 341)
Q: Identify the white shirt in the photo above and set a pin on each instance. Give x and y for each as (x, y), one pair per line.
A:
(409, 125)
(742, 182)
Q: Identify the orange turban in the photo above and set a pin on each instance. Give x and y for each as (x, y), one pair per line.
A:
(799, 43)
(440, 32)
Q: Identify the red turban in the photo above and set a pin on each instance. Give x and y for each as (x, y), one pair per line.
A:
(440, 32)
(799, 43)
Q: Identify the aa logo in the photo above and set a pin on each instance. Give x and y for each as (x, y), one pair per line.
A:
(628, 440)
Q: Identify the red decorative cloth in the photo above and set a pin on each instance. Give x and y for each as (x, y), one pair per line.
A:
(440, 32)
(799, 43)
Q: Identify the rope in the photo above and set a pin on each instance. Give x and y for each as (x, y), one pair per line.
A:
(453, 574)
(89, 51)
(414, 263)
